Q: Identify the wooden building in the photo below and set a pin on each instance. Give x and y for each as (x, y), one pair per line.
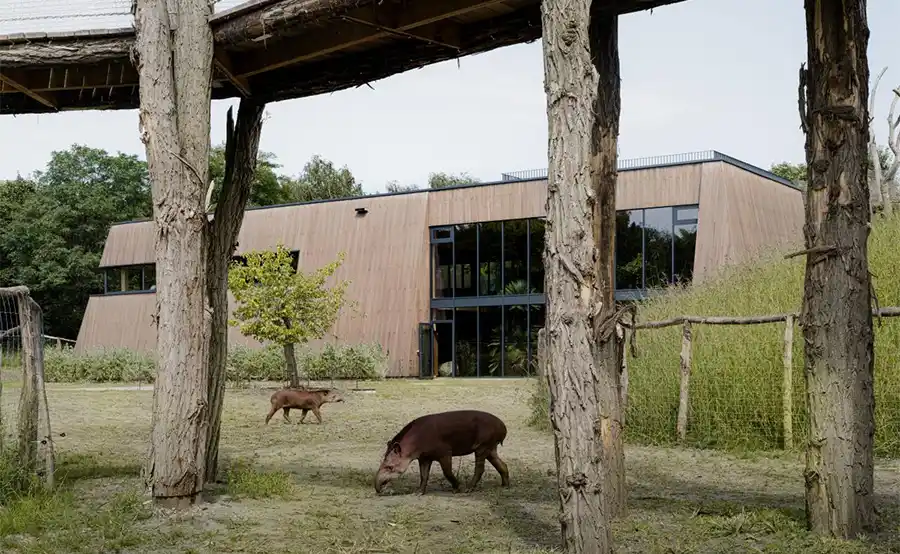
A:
(456, 273)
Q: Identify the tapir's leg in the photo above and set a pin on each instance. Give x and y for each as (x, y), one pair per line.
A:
(479, 468)
(500, 466)
(447, 466)
(285, 413)
(317, 414)
(271, 413)
(303, 416)
(424, 470)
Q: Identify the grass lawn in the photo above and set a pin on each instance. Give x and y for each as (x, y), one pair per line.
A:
(309, 488)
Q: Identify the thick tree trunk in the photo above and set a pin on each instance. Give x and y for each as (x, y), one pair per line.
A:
(836, 316)
(291, 361)
(174, 61)
(583, 366)
(241, 150)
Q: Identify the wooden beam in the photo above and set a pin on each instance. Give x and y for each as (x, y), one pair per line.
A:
(222, 63)
(444, 28)
(16, 78)
(340, 36)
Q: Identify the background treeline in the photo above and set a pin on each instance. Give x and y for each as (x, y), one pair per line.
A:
(54, 223)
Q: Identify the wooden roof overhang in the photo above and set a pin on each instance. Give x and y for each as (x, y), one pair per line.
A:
(274, 49)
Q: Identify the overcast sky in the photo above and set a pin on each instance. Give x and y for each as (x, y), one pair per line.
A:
(699, 75)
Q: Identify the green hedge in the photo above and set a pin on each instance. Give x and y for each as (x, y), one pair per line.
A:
(364, 361)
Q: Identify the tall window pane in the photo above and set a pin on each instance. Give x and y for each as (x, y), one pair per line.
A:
(490, 245)
(490, 341)
(466, 341)
(658, 249)
(685, 246)
(443, 262)
(629, 249)
(466, 245)
(538, 313)
(537, 255)
(515, 247)
(516, 340)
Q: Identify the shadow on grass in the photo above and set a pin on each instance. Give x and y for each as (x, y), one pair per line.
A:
(77, 467)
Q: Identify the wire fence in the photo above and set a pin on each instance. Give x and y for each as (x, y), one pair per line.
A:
(61, 16)
(22, 354)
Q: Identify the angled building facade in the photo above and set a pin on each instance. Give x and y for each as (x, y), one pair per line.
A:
(451, 281)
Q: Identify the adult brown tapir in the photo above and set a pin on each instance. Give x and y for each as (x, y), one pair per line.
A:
(439, 437)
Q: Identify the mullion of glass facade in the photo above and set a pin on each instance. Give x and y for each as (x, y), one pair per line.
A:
(490, 286)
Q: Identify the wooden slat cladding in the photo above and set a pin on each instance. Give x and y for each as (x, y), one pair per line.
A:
(388, 248)
(743, 215)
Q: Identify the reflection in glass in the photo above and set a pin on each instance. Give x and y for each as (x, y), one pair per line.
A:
(685, 246)
(515, 362)
(466, 245)
(686, 214)
(113, 280)
(658, 247)
(489, 341)
(537, 227)
(443, 261)
(515, 257)
(466, 341)
(150, 277)
(538, 313)
(490, 244)
(629, 246)
(133, 278)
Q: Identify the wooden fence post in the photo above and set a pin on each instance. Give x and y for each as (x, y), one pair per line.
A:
(683, 397)
(787, 386)
(28, 400)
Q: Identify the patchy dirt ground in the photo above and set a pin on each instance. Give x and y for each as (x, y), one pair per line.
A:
(310, 488)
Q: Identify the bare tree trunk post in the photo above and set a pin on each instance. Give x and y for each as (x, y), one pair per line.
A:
(684, 389)
(174, 50)
(291, 362)
(241, 151)
(836, 316)
(787, 384)
(581, 64)
(29, 414)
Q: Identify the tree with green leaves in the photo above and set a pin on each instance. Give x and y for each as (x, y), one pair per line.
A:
(280, 305)
(54, 226)
(442, 180)
(268, 187)
(395, 186)
(321, 180)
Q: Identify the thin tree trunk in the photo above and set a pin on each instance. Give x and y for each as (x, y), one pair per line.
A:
(583, 368)
(174, 63)
(836, 315)
(29, 401)
(241, 151)
(291, 361)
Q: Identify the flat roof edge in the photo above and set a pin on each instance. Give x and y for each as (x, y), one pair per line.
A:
(627, 165)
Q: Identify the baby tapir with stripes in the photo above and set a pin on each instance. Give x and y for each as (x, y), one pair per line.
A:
(438, 437)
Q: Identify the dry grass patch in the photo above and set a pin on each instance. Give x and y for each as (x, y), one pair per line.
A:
(309, 488)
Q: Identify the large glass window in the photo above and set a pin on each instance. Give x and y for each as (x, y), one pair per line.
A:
(629, 249)
(465, 243)
(536, 232)
(133, 278)
(490, 341)
(490, 276)
(655, 247)
(490, 252)
(515, 257)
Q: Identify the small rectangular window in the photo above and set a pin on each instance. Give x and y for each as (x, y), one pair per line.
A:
(442, 234)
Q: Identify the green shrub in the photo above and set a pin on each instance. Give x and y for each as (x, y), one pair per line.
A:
(100, 366)
(255, 364)
(364, 361)
(735, 394)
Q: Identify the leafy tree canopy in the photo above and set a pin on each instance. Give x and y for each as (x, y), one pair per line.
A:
(280, 305)
(441, 180)
(321, 180)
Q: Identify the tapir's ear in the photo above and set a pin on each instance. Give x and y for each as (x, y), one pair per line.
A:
(395, 447)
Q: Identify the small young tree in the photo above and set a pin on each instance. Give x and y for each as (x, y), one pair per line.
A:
(284, 306)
